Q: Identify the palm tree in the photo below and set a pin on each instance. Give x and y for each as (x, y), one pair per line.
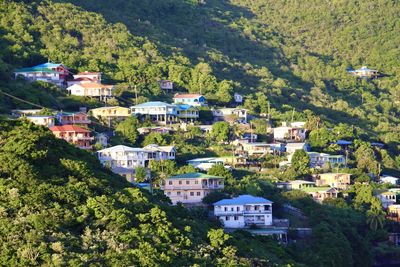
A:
(375, 218)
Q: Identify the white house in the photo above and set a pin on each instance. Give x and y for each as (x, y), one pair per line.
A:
(389, 179)
(54, 73)
(48, 121)
(292, 147)
(387, 198)
(238, 98)
(157, 111)
(156, 152)
(321, 159)
(91, 89)
(190, 99)
(244, 211)
(166, 84)
(290, 132)
(230, 114)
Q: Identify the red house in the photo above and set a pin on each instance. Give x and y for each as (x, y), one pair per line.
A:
(77, 118)
(73, 134)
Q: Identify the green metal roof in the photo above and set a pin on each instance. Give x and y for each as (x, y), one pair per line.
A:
(36, 69)
(194, 175)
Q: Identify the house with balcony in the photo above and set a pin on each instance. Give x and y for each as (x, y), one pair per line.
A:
(156, 152)
(319, 160)
(319, 194)
(77, 118)
(155, 129)
(290, 132)
(158, 112)
(230, 115)
(387, 198)
(187, 113)
(244, 211)
(389, 179)
(92, 89)
(54, 73)
(73, 134)
(190, 99)
(205, 164)
(43, 120)
(339, 181)
(166, 85)
(191, 188)
(115, 112)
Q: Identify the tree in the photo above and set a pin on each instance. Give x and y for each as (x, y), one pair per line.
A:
(140, 174)
(127, 129)
(220, 131)
(221, 171)
(157, 138)
(301, 162)
(375, 215)
(320, 138)
(366, 160)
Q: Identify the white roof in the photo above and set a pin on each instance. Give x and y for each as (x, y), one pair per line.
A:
(154, 147)
(243, 200)
(119, 148)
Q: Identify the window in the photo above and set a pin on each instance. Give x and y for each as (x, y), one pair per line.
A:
(180, 182)
(196, 182)
(232, 209)
(178, 193)
(198, 193)
(191, 194)
(168, 193)
(187, 182)
(170, 182)
(225, 208)
(237, 208)
(256, 207)
(236, 218)
(226, 218)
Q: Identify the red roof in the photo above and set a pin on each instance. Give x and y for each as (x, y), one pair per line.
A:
(80, 79)
(69, 128)
(187, 95)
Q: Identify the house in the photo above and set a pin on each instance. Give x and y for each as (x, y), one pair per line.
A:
(394, 212)
(205, 164)
(187, 112)
(230, 114)
(190, 99)
(78, 118)
(85, 77)
(156, 152)
(156, 111)
(339, 181)
(48, 72)
(389, 179)
(321, 159)
(48, 121)
(166, 85)
(91, 89)
(387, 198)
(25, 112)
(292, 147)
(290, 132)
(319, 194)
(161, 130)
(365, 72)
(259, 149)
(73, 134)
(238, 98)
(102, 139)
(132, 157)
(300, 184)
(244, 211)
(114, 112)
(191, 188)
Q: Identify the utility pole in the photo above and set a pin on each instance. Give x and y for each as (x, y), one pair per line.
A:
(136, 95)
(293, 114)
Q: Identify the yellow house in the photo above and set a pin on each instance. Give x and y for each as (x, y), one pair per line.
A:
(337, 180)
(110, 112)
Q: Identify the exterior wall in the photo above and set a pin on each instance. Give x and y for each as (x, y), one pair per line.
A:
(129, 160)
(78, 118)
(337, 180)
(289, 133)
(239, 216)
(81, 140)
(111, 112)
(224, 113)
(44, 121)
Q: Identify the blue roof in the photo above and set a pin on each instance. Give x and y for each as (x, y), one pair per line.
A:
(152, 104)
(185, 107)
(48, 65)
(243, 200)
(344, 142)
(40, 116)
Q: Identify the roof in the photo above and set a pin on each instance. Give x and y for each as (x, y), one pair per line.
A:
(188, 96)
(40, 116)
(243, 200)
(344, 142)
(365, 68)
(153, 104)
(334, 173)
(88, 73)
(81, 79)
(49, 65)
(92, 86)
(155, 147)
(317, 189)
(121, 148)
(68, 128)
(64, 113)
(113, 107)
(293, 145)
(301, 182)
(186, 107)
(194, 175)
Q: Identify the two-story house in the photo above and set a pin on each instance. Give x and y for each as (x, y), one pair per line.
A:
(48, 72)
(166, 85)
(48, 121)
(187, 113)
(156, 111)
(114, 112)
(77, 118)
(123, 156)
(191, 188)
(85, 77)
(290, 132)
(230, 114)
(190, 99)
(365, 72)
(339, 181)
(244, 211)
(156, 152)
(73, 134)
(321, 159)
(387, 198)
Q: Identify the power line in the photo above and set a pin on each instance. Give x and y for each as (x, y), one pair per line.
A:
(22, 100)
